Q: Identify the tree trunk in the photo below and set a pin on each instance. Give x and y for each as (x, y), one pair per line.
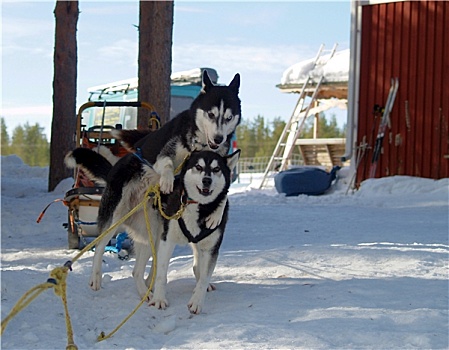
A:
(63, 125)
(155, 56)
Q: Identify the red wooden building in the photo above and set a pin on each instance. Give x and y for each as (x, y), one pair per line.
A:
(408, 40)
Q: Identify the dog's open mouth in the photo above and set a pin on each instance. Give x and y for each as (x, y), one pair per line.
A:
(204, 191)
(213, 145)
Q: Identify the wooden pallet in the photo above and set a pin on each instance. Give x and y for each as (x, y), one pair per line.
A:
(322, 152)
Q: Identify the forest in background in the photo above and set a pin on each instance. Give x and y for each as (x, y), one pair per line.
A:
(29, 142)
(256, 138)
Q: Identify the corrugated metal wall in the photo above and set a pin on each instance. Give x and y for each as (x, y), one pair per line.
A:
(409, 40)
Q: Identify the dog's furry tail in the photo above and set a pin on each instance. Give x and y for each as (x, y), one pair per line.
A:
(94, 165)
(128, 138)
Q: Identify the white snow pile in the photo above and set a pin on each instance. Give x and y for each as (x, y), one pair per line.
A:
(335, 69)
(361, 271)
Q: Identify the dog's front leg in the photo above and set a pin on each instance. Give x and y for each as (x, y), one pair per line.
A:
(204, 267)
(164, 167)
(196, 264)
(214, 219)
(164, 253)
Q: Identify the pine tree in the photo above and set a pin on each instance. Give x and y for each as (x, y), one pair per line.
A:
(246, 139)
(155, 57)
(30, 144)
(5, 150)
(65, 58)
(277, 126)
(37, 141)
(18, 142)
(262, 136)
(326, 128)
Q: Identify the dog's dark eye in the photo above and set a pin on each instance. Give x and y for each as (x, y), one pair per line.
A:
(229, 117)
(198, 167)
(211, 115)
(216, 169)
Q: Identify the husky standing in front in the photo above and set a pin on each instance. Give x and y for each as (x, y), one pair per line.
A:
(207, 125)
(202, 186)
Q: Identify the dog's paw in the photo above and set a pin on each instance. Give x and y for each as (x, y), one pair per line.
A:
(158, 300)
(166, 183)
(213, 220)
(159, 303)
(95, 281)
(194, 306)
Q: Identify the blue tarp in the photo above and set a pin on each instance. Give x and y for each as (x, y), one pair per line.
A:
(305, 180)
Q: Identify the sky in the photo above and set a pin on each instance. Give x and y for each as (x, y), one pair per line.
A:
(259, 40)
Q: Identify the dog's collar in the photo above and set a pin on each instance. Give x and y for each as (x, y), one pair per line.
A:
(205, 232)
(185, 199)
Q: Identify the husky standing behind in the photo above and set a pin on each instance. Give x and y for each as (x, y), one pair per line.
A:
(208, 124)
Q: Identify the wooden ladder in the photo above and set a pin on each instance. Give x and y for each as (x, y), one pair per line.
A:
(283, 151)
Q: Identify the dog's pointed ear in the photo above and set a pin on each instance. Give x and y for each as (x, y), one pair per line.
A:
(233, 159)
(207, 83)
(235, 84)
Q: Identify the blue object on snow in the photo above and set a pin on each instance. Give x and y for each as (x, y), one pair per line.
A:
(304, 180)
(118, 243)
(115, 245)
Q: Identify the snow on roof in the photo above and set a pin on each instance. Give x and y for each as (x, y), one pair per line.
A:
(192, 76)
(335, 70)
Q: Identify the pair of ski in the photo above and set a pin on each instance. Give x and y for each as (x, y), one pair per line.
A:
(383, 126)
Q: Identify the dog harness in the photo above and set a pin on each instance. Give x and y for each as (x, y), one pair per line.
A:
(205, 232)
(138, 154)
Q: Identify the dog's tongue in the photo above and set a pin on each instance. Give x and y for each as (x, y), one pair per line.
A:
(205, 191)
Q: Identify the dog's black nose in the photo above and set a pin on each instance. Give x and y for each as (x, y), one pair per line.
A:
(207, 181)
(218, 139)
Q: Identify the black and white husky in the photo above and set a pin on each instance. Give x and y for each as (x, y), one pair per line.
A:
(207, 125)
(203, 186)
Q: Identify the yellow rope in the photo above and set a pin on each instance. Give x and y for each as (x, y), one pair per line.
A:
(57, 281)
(154, 119)
(179, 167)
(58, 276)
(24, 301)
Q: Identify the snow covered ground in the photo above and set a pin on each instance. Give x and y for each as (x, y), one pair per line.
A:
(364, 270)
